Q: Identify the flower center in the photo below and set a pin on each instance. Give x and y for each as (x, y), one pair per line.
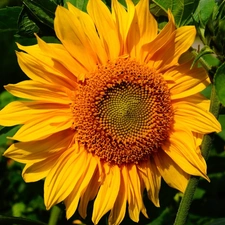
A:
(122, 112)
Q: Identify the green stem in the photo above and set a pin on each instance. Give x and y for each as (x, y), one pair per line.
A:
(54, 215)
(214, 109)
(185, 203)
(9, 220)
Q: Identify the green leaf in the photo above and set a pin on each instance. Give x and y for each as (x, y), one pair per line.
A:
(204, 51)
(8, 19)
(204, 11)
(7, 132)
(27, 27)
(80, 4)
(211, 60)
(43, 10)
(181, 9)
(220, 221)
(18, 209)
(199, 193)
(162, 218)
(215, 28)
(5, 98)
(9, 220)
(10, 72)
(220, 83)
(37, 17)
(207, 91)
(222, 122)
(9, 3)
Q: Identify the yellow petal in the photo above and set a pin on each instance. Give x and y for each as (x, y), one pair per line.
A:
(187, 81)
(107, 194)
(195, 118)
(90, 31)
(135, 202)
(70, 32)
(151, 178)
(178, 42)
(119, 209)
(149, 49)
(62, 60)
(34, 90)
(196, 99)
(43, 127)
(120, 16)
(36, 151)
(142, 30)
(64, 175)
(170, 171)
(32, 68)
(89, 194)
(39, 65)
(147, 23)
(81, 184)
(123, 20)
(106, 27)
(33, 172)
(181, 149)
(20, 112)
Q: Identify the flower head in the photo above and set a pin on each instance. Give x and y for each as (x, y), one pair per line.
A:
(112, 110)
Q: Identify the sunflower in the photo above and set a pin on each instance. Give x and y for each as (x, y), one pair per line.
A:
(113, 109)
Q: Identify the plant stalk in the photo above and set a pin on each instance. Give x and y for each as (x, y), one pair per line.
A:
(54, 215)
(206, 145)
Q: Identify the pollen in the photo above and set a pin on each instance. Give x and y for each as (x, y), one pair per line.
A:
(123, 112)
